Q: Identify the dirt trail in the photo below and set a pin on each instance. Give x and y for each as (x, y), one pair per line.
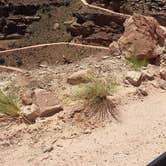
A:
(104, 10)
(137, 140)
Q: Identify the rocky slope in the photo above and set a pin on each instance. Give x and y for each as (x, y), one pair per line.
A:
(156, 9)
(68, 21)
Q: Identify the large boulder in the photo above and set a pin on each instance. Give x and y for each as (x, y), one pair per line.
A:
(143, 38)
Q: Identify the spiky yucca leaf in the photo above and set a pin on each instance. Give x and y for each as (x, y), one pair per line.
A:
(7, 106)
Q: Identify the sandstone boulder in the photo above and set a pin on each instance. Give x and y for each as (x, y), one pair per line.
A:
(47, 102)
(143, 38)
(40, 103)
(78, 77)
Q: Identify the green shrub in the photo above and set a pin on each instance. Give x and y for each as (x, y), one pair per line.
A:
(136, 63)
(7, 106)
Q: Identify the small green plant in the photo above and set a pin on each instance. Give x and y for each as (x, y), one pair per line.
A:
(136, 63)
(94, 95)
(7, 106)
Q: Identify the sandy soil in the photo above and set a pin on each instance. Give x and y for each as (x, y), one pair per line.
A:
(135, 141)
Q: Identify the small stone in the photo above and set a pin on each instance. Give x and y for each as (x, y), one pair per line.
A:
(31, 112)
(78, 77)
(162, 84)
(97, 66)
(87, 131)
(143, 91)
(146, 75)
(44, 64)
(27, 97)
(56, 26)
(134, 78)
(155, 84)
(59, 145)
(48, 149)
(50, 110)
(163, 73)
(105, 57)
(114, 49)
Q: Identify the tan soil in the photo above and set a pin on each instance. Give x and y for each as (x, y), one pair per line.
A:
(135, 141)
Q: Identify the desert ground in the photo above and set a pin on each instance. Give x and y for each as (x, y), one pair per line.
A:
(82, 83)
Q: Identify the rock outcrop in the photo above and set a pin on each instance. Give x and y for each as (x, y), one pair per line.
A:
(96, 28)
(143, 38)
(15, 17)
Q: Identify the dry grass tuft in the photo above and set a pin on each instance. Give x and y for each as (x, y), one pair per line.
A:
(95, 97)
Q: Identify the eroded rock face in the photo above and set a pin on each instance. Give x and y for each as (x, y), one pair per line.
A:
(16, 16)
(13, 18)
(143, 38)
(96, 28)
(155, 8)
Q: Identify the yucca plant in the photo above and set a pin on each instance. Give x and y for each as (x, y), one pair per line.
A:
(94, 95)
(7, 106)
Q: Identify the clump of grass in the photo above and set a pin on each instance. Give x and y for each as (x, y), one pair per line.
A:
(137, 64)
(7, 106)
(94, 95)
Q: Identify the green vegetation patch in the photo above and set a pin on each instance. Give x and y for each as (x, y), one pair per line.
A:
(7, 106)
(136, 63)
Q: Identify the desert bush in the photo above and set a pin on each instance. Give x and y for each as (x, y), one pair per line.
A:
(7, 106)
(136, 63)
(94, 95)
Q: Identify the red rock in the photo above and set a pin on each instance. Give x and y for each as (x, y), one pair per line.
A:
(142, 38)
(50, 110)
(27, 97)
(48, 103)
(78, 77)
